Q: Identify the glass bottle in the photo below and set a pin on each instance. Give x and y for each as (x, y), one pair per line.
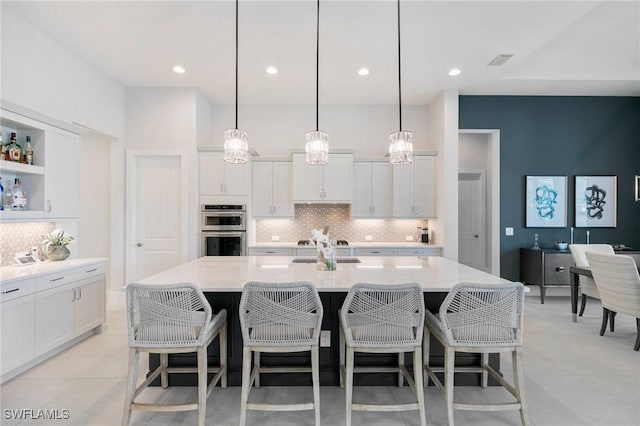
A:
(14, 150)
(19, 196)
(3, 155)
(28, 152)
(1, 195)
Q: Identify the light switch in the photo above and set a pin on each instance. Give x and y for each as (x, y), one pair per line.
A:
(275, 238)
(325, 338)
(368, 237)
(508, 232)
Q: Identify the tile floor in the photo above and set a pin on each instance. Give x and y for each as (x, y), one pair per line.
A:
(572, 377)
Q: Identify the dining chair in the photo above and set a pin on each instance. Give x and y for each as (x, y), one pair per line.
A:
(478, 318)
(618, 282)
(279, 317)
(170, 319)
(587, 285)
(379, 318)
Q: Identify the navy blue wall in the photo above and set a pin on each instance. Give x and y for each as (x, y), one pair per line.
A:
(565, 136)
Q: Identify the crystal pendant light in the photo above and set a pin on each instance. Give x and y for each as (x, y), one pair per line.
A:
(400, 142)
(236, 148)
(317, 147)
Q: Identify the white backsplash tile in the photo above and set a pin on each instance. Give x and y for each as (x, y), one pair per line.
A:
(341, 226)
(17, 237)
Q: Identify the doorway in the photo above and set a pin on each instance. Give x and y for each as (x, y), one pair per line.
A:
(471, 219)
(157, 200)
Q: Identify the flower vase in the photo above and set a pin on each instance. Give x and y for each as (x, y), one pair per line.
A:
(58, 252)
(326, 258)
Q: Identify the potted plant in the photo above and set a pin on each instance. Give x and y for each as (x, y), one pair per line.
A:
(54, 245)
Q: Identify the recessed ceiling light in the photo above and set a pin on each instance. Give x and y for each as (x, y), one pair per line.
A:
(454, 72)
(272, 70)
(363, 71)
(178, 69)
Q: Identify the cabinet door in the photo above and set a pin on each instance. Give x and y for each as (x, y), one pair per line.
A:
(425, 186)
(307, 180)
(361, 205)
(403, 181)
(381, 199)
(54, 323)
(90, 304)
(236, 179)
(337, 177)
(262, 189)
(62, 174)
(283, 189)
(17, 325)
(211, 173)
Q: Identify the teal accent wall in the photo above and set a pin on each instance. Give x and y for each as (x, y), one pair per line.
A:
(567, 136)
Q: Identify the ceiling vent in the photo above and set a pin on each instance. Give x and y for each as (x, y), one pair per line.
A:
(500, 59)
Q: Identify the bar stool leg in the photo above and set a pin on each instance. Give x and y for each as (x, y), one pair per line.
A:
(449, 364)
(132, 380)
(349, 385)
(246, 383)
(202, 384)
(518, 379)
(341, 350)
(417, 378)
(164, 376)
(223, 355)
(400, 365)
(256, 366)
(426, 343)
(484, 364)
(315, 376)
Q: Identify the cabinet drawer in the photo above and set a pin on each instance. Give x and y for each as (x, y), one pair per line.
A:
(15, 289)
(341, 252)
(67, 276)
(263, 251)
(306, 251)
(418, 251)
(92, 270)
(556, 269)
(375, 252)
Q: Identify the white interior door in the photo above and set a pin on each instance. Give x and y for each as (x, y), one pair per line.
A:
(156, 232)
(471, 220)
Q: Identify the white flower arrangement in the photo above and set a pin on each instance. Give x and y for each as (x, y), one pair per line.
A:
(326, 252)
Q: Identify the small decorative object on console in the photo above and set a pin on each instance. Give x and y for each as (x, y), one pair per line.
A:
(54, 245)
(561, 245)
(326, 252)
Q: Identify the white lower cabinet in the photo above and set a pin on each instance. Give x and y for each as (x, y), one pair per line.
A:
(52, 310)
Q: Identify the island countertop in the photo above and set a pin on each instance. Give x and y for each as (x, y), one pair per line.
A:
(228, 274)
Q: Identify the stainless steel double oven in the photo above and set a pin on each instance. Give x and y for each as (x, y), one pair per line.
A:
(223, 230)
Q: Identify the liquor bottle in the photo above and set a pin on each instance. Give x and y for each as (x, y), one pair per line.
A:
(19, 196)
(28, 152)
(1, 195)
(3, 155)
(15, 150)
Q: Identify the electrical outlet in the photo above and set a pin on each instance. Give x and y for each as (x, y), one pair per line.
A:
(325, 338)
(275, 238)
(368, 237)
(508, 231)
(408, 237)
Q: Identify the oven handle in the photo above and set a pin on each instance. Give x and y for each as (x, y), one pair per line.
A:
(225, 213)
(223, 233)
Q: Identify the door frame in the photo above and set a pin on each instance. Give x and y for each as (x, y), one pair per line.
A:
(481, 173)
(493, 151)
(132, 156)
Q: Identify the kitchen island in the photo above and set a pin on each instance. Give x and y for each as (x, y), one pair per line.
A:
(222, 280)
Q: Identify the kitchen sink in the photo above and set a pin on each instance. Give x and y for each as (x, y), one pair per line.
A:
(314, 260)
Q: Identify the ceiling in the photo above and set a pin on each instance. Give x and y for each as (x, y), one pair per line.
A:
(559, 48)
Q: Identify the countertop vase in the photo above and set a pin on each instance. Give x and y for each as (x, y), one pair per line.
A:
(326, 258)
(58, 252)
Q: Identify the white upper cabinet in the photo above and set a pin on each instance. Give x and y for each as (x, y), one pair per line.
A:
(414, 188)
(62, 177)
(218, 177)
(329, 183)
(272, 189)
(371, 189)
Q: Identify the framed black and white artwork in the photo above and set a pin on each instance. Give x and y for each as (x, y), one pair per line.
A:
(596, 201)
(546, 202)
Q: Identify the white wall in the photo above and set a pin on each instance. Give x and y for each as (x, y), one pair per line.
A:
(275, 129)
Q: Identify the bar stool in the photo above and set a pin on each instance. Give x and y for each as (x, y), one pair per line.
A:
(479, 318)
(279, 317)
(378, 318)
(167, 319)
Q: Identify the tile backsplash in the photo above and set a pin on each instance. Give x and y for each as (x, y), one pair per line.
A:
(17, 237)
(341, 226)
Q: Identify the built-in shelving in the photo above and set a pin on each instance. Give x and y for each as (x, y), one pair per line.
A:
(19, 168)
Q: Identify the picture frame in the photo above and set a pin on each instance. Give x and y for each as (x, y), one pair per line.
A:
(637, 188)
(596, 201)
(546, 202)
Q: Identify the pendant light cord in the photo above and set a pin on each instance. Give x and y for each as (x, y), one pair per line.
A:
(236, 64)
(399, 74)
(317, 60)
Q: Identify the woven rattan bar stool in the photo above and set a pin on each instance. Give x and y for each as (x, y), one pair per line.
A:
(379, 318)
(166, 319)
(279, 317)
(479, 318)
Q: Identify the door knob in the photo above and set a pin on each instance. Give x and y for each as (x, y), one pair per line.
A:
(475, 236)
(139, 244)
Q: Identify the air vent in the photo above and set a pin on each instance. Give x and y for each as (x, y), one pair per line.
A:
(500, 59)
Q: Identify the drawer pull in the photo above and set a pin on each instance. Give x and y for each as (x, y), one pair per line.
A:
(270, 252)
(560, 268)
(57, 279)
(11, 291)
(92, 270)
(376, 252)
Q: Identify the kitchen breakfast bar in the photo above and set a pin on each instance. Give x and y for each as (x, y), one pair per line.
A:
(222, 279)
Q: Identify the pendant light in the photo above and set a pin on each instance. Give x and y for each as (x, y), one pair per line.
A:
(400, 142)
(317, 148)
(236, 148)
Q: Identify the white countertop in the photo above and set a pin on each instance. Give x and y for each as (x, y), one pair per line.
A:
(211, 273)
(366, 244)
(10, 273)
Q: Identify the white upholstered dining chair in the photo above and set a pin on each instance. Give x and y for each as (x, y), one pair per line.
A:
(618, 282)
(169, 319)
(479, 318)
(281, 318)
(587, 285)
